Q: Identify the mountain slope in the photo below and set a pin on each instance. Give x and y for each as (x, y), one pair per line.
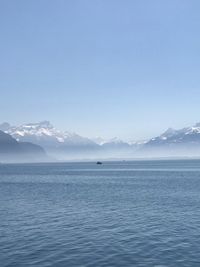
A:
(182, 142)
(189, 135)
(13, 151)
(64, 144)
(59, 144)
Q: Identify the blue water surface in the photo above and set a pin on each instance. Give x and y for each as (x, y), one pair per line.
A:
(139, 213)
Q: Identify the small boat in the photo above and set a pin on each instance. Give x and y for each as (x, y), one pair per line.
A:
(99, 162)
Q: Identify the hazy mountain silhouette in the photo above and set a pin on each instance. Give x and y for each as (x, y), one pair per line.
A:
(181, 142)
(67, 145)
(13, 151)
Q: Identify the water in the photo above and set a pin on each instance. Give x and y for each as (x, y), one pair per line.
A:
(142, 213)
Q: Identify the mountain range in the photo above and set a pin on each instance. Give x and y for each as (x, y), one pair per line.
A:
(37, 137)
(64, 144)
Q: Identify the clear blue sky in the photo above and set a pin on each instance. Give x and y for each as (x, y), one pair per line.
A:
(106, 68)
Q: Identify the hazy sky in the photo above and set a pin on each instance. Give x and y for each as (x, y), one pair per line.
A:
(106, 68)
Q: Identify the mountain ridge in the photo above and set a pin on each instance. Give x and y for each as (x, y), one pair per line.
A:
(66, 145)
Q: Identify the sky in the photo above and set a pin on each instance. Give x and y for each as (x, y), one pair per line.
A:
(125, 68)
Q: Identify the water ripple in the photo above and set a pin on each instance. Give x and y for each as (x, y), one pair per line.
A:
(60, 215)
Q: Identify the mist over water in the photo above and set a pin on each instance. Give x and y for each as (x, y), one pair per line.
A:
(139, 213)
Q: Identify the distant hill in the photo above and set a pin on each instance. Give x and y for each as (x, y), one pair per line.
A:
(13, 151)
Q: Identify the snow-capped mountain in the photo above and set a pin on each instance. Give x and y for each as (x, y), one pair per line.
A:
(182, 142)
(68, 145)
(188, 135)
(113, 141)
(64, 144)
(45, 134)
(58, 144)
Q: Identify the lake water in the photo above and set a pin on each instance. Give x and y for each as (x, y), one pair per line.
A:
(141, 213)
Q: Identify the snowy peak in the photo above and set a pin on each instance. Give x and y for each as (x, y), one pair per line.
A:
(42, 124)
(193, 130)
(114, 141)
(41, 129)
(43, 133)
(188, 135)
